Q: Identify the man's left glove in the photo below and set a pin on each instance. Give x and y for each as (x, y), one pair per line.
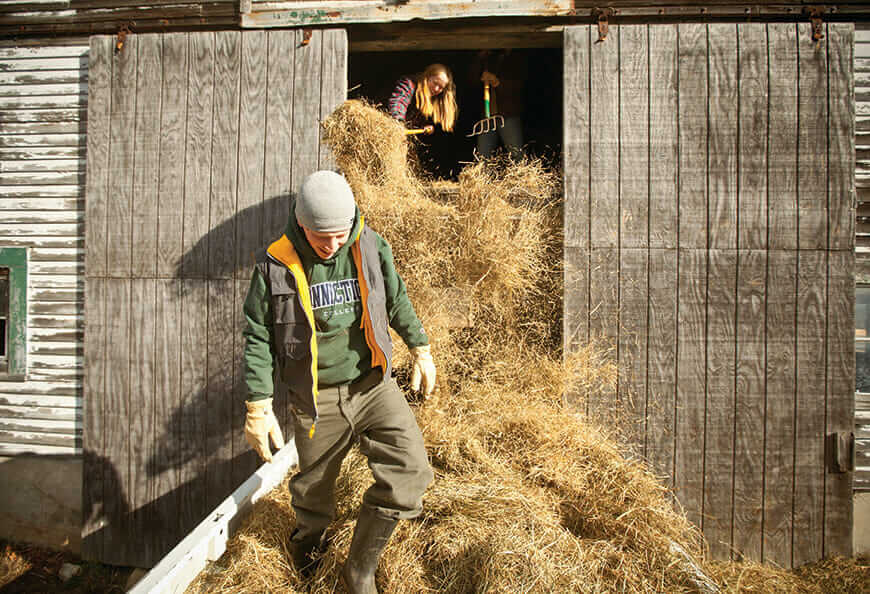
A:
(423, 374)
(260, 425)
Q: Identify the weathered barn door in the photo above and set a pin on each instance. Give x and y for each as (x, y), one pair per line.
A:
(709, 234)
(195, 143)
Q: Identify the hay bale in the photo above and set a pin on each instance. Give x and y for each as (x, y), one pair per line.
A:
(528, 495)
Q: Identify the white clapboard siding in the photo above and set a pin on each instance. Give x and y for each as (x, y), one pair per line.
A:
(43, 121)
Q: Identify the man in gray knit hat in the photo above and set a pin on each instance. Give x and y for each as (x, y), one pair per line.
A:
(319, 308)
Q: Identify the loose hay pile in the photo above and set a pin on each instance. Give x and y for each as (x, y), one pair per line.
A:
(527, 496)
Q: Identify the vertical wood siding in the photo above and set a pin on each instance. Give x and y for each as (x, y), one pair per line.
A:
(196, 142)
(709, 237)
(43, 115)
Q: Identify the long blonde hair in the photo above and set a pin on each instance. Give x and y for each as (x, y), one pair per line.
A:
(441, 108)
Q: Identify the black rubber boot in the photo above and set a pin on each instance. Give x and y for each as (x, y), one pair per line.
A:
(370, 537)
(306, 552)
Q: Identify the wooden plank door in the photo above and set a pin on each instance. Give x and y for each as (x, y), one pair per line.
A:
(196, 142)
(709, 253)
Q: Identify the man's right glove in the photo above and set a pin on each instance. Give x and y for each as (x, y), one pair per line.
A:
(260, 425)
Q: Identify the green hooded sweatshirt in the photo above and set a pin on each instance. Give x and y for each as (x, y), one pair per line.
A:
(342, 352)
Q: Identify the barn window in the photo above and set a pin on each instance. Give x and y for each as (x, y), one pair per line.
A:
(13, 312)
(4, 318)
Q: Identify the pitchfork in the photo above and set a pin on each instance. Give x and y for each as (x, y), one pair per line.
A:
(487, 124)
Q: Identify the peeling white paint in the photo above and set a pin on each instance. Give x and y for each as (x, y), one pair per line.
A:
(43, 113)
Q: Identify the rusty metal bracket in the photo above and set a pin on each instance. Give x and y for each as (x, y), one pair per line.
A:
(306, 37)
(601, 15)
(818, 25)
(841, 446)
(122, 37)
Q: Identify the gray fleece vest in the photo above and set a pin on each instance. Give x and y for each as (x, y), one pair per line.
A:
(291, 331)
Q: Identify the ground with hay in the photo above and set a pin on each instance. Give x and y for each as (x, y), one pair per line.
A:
(528, 496)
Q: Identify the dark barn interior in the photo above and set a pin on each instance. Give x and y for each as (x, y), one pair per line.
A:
(372, 76)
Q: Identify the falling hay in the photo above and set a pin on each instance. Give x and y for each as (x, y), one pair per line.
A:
(528, 496)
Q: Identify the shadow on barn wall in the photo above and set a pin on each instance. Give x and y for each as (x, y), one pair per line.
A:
(197, 454)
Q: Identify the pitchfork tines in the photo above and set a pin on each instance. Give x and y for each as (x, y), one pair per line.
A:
(487, 125)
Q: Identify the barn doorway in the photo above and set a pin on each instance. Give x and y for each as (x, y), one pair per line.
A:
(372, 75)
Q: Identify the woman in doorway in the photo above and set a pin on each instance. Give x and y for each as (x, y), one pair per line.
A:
(424, 97)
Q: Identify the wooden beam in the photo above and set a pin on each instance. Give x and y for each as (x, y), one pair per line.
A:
(208, 541)
(342, 12)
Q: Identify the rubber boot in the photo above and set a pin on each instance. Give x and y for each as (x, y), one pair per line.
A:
(306, 552)
(370, 537)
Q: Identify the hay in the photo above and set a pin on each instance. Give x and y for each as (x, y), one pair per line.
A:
(12, 565)
(528, 496)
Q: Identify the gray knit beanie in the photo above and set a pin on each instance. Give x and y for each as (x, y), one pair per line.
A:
(325, 203)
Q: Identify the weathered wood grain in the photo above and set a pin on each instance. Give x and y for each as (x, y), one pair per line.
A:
(164, 475)
(720, 401)
(810, 406)
(143, 400)
(749, 402)
(99, 105)
(632, 345)
(575, 138)
(93, 398)
(663, 136)
(198, 155)
(219, 397)
(122, 123)
(252, 129)
(841, 137)
(722, 136)
(604, 139)
(576, 312)
(634, 138)
(691, 381)
(146, 156)
(225, 155)
(782, 144)
(333, 87)
(840, 395)
(280, 108)
(661, 361)
(604, 327)
(752, 153)
(193, 410)
(812, 166)
(306, 108)
(693, 97)
(173, 122)
(116, 418)
(779, 418)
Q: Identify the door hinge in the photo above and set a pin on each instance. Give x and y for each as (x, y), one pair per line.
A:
(818, 25)
(601, 15)
(121, 38)
(842, 448)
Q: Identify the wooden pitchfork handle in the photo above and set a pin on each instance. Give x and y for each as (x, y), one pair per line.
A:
(412, 131)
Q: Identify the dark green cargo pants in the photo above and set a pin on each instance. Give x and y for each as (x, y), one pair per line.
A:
(374, 411)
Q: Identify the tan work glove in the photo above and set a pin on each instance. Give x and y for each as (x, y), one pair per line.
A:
(260, 425)
(423, 374)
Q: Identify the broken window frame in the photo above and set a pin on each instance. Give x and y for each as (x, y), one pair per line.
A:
(14, 365)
